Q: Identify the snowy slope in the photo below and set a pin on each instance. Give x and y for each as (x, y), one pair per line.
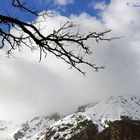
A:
(12, 131)
(65, 128)
(7, 129)
(34, 126)
(114, 108)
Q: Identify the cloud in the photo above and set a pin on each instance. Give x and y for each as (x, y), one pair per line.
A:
(63, 2)
(99, 5)
(29, 88)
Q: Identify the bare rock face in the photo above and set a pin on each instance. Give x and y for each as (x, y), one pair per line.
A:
(121, 130)
(88, 133)
(18, 135)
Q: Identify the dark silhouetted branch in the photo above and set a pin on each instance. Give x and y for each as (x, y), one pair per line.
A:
(57, 43)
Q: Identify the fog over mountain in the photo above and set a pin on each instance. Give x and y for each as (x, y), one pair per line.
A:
(29, 88)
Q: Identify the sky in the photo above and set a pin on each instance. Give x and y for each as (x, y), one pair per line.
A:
(29, 88)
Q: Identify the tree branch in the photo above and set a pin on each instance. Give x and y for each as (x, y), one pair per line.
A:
(55, 43)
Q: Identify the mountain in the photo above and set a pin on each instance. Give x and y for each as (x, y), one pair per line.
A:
(112, 117)
(86, 125)
(67, 128)
(7, 129)
(114, 108)
(28, 129)
(121, 130)
(12, 131)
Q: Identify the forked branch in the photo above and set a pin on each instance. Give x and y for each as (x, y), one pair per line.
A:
(58, 42)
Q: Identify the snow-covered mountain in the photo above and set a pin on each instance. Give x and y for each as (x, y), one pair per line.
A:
(37, 124)
(65, 128)
(12, 131)
(114, 108)
(109, 110)
(91, 117)
(7, 129)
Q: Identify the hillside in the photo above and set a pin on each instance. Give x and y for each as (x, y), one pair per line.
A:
(94, 119)
(90, 122)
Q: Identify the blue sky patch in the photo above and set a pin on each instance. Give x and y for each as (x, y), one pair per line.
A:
(77, 7)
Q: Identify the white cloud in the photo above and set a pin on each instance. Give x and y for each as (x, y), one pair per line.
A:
(63, 2)
(99, 5)
(28, 88)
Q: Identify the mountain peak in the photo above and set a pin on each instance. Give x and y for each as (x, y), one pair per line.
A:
(92, 117)
(101, 115)
(114, 108)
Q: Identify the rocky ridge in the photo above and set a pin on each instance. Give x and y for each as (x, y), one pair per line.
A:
(96, 119)
(105, 120)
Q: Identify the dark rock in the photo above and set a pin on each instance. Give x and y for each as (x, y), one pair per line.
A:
(18, 135)
(121, 130)
(87, 133)
(117, 130)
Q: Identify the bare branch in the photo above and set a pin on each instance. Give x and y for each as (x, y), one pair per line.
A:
(55, 43)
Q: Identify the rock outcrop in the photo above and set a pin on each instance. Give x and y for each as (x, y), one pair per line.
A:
(121, 130)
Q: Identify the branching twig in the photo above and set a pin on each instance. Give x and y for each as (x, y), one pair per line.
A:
(55, 43)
